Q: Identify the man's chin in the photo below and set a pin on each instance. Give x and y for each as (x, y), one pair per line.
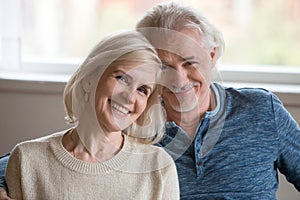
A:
(186, 107)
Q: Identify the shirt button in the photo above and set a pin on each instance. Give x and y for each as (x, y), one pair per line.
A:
(199, 163)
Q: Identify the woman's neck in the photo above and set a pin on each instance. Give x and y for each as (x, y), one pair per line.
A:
(106, 149)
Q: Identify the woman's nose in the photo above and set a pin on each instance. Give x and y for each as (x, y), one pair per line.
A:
(128, 95)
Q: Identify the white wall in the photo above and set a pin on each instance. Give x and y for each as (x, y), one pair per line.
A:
(29, 110)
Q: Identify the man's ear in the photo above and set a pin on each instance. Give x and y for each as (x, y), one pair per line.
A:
(213, 55)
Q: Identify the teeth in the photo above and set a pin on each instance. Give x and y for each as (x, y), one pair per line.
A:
(120, 109)
(184, 88)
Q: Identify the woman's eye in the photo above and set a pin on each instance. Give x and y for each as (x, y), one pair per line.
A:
(143, 90)
(122, 78)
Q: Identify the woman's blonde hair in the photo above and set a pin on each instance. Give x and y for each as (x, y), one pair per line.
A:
(119, 48)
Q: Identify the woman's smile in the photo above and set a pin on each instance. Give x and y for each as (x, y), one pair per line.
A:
(119, 108)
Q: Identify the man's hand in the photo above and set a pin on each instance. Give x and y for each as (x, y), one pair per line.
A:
(3, 194)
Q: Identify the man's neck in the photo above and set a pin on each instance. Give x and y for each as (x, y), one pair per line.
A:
(189, 125)
(189, 121)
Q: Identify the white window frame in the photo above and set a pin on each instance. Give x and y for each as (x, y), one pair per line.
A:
(11, 65)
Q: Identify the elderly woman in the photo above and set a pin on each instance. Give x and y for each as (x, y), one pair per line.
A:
(111, 100)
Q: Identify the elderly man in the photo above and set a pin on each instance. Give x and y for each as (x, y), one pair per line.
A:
(227, 143)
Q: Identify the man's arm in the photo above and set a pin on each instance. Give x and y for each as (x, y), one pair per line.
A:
(3, 186)
(3, 166)
(289, 140)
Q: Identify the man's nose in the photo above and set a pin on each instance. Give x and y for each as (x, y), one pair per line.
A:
(176, 77)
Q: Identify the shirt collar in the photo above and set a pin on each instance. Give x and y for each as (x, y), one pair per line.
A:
(217, 90)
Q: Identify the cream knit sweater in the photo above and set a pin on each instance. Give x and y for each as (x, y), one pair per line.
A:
(44, 169)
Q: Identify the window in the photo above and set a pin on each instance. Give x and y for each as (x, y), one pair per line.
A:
(261, 36)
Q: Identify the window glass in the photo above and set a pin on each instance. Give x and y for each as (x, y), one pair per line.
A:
(256, 32)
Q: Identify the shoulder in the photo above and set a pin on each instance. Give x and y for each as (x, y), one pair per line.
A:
(37, 144)
(248, 92)
(151, 157)
(250, 96)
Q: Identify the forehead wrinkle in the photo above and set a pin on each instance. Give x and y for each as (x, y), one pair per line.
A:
(169, 57)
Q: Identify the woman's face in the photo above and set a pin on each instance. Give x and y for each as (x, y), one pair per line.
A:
(122, 94)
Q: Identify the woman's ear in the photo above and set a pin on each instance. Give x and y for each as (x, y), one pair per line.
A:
(86, 85)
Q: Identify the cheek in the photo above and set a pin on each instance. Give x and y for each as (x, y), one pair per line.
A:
(105, 89)
(203, 74)
(169, 97)
(141, 104)
(101, 97)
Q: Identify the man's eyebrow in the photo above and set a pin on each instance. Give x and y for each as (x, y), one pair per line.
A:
(184, 59)
(164, 62)
(189, 58)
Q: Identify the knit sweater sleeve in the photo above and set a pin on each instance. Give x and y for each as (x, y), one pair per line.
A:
(13, 174)
(289, 143)
(171, 186)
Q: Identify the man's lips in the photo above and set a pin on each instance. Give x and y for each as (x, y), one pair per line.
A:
(181, 90)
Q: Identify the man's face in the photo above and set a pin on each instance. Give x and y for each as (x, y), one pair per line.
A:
(187, 72)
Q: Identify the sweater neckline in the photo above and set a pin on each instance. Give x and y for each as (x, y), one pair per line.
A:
(69, 161)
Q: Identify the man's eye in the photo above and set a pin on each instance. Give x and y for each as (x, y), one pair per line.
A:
(193, 64)
(143, 90)
(189, 63)
(164, 67)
